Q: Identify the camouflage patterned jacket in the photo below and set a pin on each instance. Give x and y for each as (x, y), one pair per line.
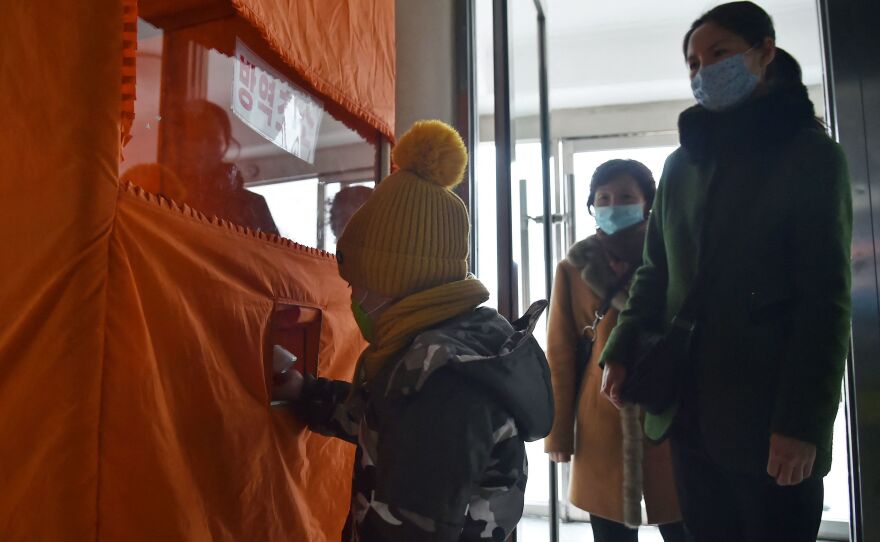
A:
(440, 431)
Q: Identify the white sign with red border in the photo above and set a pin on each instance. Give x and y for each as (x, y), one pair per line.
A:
(273, 106)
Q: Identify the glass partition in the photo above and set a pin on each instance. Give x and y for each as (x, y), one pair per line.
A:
(223, 126)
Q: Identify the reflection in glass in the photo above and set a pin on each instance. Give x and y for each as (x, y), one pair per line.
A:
(345, 204)
(221, 126)
(200, 175)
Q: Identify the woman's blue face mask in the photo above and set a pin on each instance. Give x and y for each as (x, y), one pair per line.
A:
(613, 218)
(724, 84)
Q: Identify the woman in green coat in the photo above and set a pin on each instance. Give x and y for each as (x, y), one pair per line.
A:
(758, 199)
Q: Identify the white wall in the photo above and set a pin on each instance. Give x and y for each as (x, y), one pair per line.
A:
(614, 119)
(425, 61)
(628, 51)
(607, 75)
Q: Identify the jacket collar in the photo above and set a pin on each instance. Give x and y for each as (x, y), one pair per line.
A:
(503, 359)
(766, 121)
(590, 258)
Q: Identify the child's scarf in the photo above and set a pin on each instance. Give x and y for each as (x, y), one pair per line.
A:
(396, 328)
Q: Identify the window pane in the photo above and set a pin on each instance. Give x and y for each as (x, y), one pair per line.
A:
(486, 215)
(837, 481)
(527, 167)
(289, 205)
(221, 126)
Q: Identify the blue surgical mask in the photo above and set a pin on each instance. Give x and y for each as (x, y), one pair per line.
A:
(724, 84)
(614, 218)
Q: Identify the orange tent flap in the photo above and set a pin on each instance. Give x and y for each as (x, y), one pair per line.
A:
(343, 48)
(190, 448)
(129, 68)
(59, 74)
(134, 386)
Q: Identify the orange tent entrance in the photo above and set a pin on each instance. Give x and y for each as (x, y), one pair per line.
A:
(134, 338)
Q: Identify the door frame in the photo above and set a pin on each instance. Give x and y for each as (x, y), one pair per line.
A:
(508, 303)
(850, 46)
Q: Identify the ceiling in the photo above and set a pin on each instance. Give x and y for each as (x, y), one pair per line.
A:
(604, 52)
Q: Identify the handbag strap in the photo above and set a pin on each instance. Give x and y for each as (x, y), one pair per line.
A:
(606, 305)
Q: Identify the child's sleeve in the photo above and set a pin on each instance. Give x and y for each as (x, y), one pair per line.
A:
(324, 406)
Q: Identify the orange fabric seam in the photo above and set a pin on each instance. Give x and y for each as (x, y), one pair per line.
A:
(128, 88)
(318, 82)
(187, 211)
(103, 358)
(128, 92)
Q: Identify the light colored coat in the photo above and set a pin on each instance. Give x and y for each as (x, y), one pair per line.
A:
(593, 432)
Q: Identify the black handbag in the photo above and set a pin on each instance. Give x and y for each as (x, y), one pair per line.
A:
(654, 379)
(584, 348)
(662, 359)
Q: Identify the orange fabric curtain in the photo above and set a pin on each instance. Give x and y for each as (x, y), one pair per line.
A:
(133, 388)
(344, 48)
(59, 148)
(189, 447)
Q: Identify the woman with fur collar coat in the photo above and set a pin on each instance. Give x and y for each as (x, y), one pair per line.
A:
(613, 466)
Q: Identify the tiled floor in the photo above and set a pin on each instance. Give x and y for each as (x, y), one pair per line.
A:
(533, 529)
(538, 530)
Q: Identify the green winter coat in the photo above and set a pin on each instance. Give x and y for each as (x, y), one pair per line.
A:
(774, 324)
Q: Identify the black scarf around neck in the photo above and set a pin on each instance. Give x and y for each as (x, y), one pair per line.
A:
(763, 123)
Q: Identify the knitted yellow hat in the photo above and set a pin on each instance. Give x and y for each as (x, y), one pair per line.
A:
(412, 233)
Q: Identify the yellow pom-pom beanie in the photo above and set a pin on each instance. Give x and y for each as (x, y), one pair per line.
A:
(412, 233)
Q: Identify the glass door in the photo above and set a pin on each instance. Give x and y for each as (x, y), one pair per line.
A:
(515, 248)
(613, 97)
(579, 158)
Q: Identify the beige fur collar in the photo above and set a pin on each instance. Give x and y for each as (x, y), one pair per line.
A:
(592, 261)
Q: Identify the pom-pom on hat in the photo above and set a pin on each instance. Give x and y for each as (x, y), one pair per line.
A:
(412, 233)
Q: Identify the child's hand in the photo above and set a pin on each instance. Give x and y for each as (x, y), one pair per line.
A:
(287, 386)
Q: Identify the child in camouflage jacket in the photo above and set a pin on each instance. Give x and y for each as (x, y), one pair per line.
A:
(447, 392)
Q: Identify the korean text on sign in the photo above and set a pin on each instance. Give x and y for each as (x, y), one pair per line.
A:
(273, 106)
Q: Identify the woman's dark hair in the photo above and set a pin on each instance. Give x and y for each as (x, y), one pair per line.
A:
(201, 112)
(612, 169)
(753, 24)
(345, 204)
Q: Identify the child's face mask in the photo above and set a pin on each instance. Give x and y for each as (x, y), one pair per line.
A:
(364, 318)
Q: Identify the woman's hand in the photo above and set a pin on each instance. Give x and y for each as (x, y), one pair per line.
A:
(560, 457)
(791, 460)
(612, 380)
(287, 386)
